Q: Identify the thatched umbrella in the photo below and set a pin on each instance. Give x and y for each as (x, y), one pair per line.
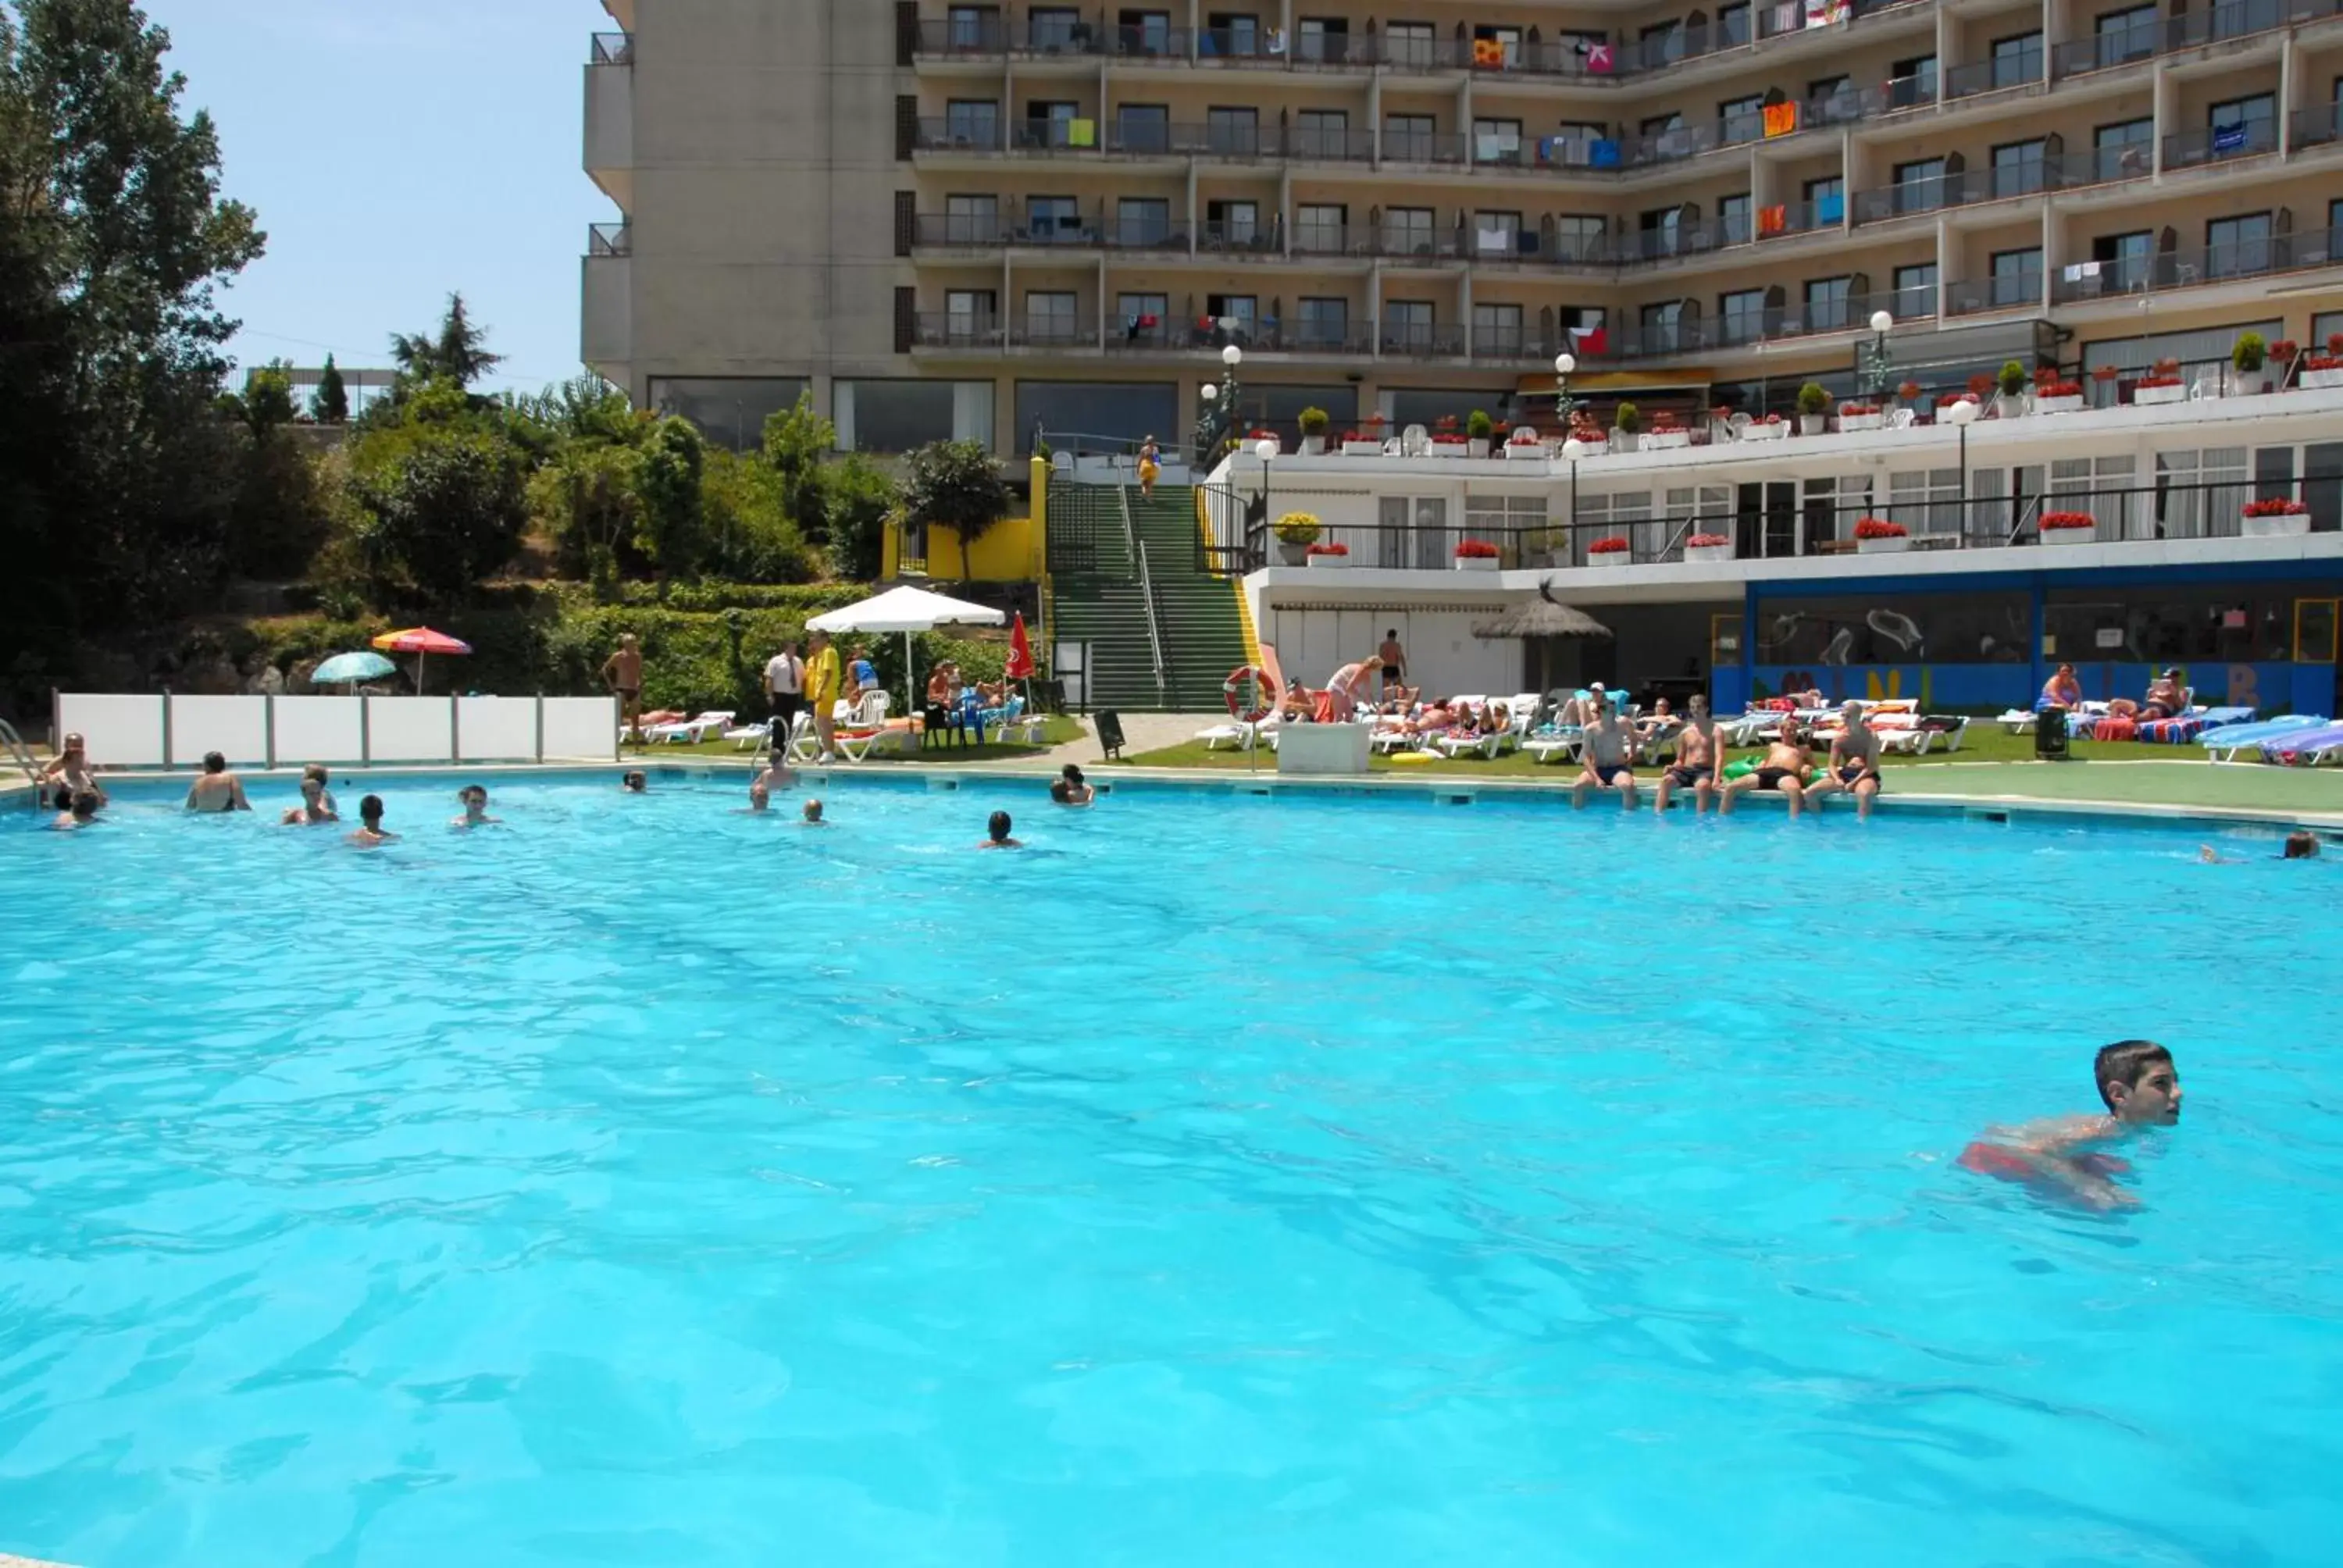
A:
(1543, 617)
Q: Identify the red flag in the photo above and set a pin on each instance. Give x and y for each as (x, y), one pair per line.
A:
(1021, 652)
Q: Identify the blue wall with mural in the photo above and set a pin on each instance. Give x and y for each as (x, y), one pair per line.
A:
(2278, 687)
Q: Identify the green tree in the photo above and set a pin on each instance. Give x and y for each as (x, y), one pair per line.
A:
(115, 481)
(445, 513)
(955, 485)
(669, 531)
(587, 496)
(858, 498)
(458, 352)
(796, 442)
(266, 402)
(332, 404)
(751, 538)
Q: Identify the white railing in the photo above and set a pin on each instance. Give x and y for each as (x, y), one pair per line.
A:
(166, 730)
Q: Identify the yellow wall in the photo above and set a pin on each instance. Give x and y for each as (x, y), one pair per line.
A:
(1012, 550)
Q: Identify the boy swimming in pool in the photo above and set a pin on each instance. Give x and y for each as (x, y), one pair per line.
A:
(2060, 1156)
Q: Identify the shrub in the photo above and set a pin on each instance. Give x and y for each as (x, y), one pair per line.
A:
(2275, 507)
(1612, 545)
(1980, 384)
(2249, 352)
(2013, 378)
(2168, 366)
(1478, 425)
(1298, 529)
(1476, 549)
(2323, 362)
(2335, 344)
(1629, 419)
(2284, 351)
(1878, 528)
(1313, 421)
(2053, 522)
(1813, 400)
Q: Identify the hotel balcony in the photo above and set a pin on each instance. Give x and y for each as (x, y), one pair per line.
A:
(606, 300)
(610, 116)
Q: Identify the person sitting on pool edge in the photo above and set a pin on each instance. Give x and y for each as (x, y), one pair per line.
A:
(1605, 746)
(313, 811)
(370, 830)
(475, 798)
(1697, 749)
(217, 790)
(1854, 763)
(1783, 768)
(996, 828)
(2059, 1155)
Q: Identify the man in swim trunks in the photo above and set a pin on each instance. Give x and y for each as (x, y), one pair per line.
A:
(996, 833)
(1605, 748)
(1695, 764)
(622, 672)
(218, 789)
(371, 831)
(313, 809)
(1854, 762)
(2059, 1156)
(1784, 769)
(1394, 663)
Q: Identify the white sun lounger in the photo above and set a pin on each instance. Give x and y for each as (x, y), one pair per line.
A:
(690, 731)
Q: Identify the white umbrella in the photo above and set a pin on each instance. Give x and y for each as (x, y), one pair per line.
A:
(907, 611)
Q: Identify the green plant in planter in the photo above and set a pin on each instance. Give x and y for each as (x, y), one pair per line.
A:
(1479, 427)
(1297, 528)
(1314, 421)
(1813, 400)
(2012, 378)
(2249, 352)
(1629, 419)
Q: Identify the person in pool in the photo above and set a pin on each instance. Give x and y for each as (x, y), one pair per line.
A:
(2062, 1156)
(1070, 788)
(370, 831)
(217, 790)
(325, 786)
(1696, 764)
(813, 817)
(1785, 769)
(475, 798)
(70, 771)
(2300, 845)
(313, 809)
(996, 828)
(79, 812)
(633, 783)
(1854, 763)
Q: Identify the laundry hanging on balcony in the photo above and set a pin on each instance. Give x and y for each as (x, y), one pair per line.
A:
(1772, 220)
(2229, 138)
(1780, 119)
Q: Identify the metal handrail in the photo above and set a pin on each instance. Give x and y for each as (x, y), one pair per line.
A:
(1146, 584)
(24, 758)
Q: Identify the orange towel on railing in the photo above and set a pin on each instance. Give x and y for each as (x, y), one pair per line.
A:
(1781, 118)
(1772, 220)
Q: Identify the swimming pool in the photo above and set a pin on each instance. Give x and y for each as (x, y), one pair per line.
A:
(1220, 1180)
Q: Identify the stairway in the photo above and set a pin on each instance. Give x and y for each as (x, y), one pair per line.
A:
(1096, 591)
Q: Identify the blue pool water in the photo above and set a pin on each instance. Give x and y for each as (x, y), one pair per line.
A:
(1222, 1181)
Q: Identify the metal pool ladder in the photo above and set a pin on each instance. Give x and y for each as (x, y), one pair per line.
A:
(24, 758)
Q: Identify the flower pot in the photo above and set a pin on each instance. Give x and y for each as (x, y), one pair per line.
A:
(2248, 384)
(1596, 448)
(1313, 445)
(1611, 558)
(1363, 448)
(1474, 447)
(1708, 552)
(2313, 380)
(2149, 396)
(1328, 563)
(1814, 424)
(2059, 405)
(2278, 525)
(1861, 421)
(1526, 451)
(1623, 440)
(1895, 545)
(1476, 563)
(1762, 432)
(2069, 536)
(1666, 440)
(2011, 406)
(1450, 450)
(1292, 555)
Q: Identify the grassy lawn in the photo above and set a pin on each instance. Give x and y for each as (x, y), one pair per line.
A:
(1057, 730)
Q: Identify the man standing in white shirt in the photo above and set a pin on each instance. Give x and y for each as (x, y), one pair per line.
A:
(785, 684)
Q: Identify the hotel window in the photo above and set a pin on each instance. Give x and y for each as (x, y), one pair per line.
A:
(1233, 314)
(1143, 128)
(1912, 82)
(1232, 131)
(1741, 316)
(1049, 317)
(2017, 167)
(1920, 186)
(970, 312)
(1049, 123)
(972, 123)
(1915, 292)
(2017, 60)
(1508, 41)
(1232, 33)
(1833, 100)
(1407, 231)
(1497, 141)
(2017, 276)
(1324, 323)
(1324, 40)
(1143, 32)
(1409, 138)
(1407, 324)
(2122, 36)
(1661, 124)
(1410, 43)
(1053, 27)
(2256, 117)
(1141, 317)
(2124, 150)
(1826, 201)
(973, 27)
(1233, 225)
(1732, 25)
(1829, 302)
(1055, 220)
(1743, 119)
(1322, 229)
(2189, 510)
(1497, 234)
(1320, 134)
(971, 219)
(1144, 221)
(1662, 325)
(2124, 259)
(1733, 218)
(1580, 237)
(1497, 329)
(2238, 246)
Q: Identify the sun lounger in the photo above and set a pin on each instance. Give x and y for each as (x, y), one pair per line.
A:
(1555, 743)
(2307, 748)
(690, 731)
(1241, 736)
(750, 737)
(1455, 746)
(865, 728)
(2223, 745)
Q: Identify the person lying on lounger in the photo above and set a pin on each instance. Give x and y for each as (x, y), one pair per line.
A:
(1784, 769)
(2061, 1156)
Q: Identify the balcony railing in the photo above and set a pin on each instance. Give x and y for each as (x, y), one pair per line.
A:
(1423, 147)
(1146, 43)
(2197, 265)
(2099, 165)
(2318, 127)
(612, 49)
(610, 240)
(1130, 333)
(1934, 194)
(2219, 143)
(1253, 238)
(2020, 70)
(973, 36)
(2105, 51)
(1975, 297)
(1238, 46)
(1422, 339)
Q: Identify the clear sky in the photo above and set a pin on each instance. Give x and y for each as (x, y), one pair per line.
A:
(396, 152)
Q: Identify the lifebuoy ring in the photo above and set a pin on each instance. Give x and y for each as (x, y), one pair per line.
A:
(1264, 689)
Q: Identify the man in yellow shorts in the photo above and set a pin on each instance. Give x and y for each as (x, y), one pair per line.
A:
(821, 688)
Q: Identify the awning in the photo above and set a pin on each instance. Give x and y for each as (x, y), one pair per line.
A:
(1619, 381)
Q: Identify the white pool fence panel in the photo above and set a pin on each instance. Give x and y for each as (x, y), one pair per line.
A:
(148, 731)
